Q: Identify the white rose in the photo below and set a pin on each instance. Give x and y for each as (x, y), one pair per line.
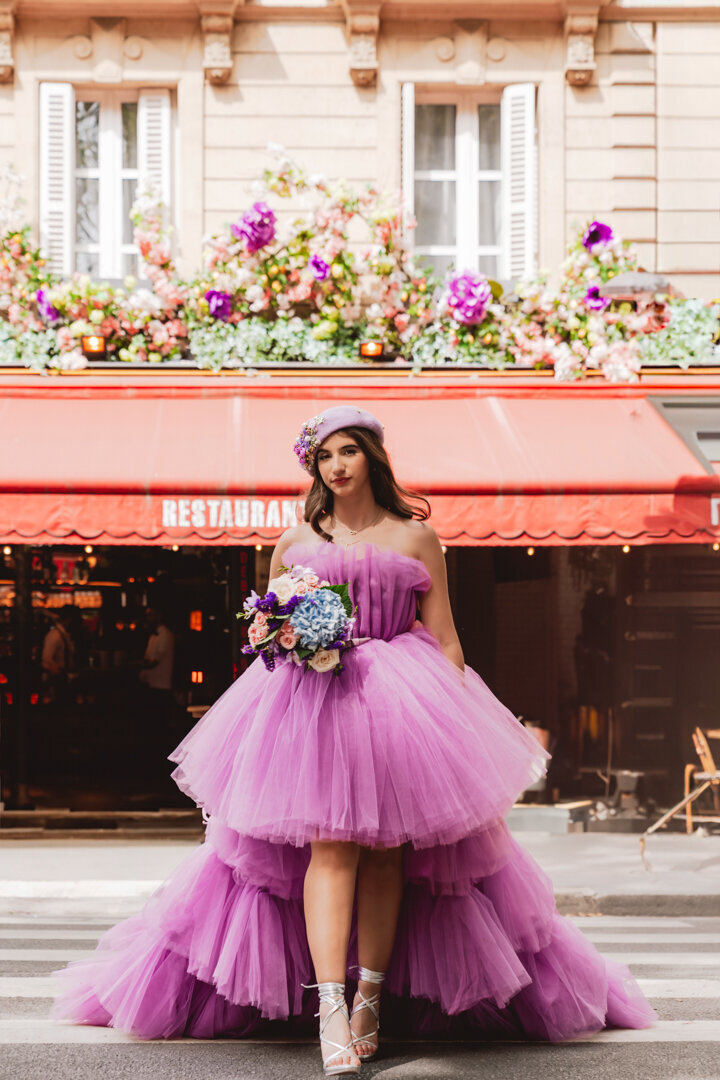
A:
(283, 587)
(325, 659)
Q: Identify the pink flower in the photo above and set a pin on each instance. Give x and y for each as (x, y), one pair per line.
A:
(286, 636)
(258, 629)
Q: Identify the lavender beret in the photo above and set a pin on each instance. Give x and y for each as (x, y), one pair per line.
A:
(315, 430)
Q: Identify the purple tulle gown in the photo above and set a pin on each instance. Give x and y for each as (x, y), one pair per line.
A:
(401, 748)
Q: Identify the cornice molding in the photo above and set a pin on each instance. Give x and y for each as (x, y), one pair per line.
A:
(581, 23)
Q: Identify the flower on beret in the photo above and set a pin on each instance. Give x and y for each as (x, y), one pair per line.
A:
(306, 444)
(596, 237)
(256, 228)
(594, 300)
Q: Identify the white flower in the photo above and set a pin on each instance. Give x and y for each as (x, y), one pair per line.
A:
(283, 587)
(324, 660)
(72, 361)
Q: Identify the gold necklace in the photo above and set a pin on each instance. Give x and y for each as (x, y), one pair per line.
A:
(354, 532)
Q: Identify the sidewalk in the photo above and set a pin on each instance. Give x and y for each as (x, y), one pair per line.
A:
(593, 873)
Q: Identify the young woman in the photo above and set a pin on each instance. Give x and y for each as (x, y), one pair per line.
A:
(355, 824)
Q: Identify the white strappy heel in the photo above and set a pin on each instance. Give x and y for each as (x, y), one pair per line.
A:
(333, 993)
(371, 1004)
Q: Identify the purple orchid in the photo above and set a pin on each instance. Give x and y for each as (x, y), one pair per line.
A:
(467, 295)
(256, 228)
(594, 300)
(320, 269)
(46, 309)
(596, 237)
(219, 303)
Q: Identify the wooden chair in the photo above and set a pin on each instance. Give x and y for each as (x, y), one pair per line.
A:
(706, 777)
(708, 771)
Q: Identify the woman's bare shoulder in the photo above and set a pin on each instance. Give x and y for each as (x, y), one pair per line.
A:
(413, 537)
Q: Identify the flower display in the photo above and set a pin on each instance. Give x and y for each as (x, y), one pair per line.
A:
(303, 291)
(300, 620)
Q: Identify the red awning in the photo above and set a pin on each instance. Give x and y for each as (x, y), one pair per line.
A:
(214, 464)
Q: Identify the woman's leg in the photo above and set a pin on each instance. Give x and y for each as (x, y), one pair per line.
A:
(328, 895)
(380, 888)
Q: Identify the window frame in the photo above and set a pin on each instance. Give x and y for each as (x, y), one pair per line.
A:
(467, 176)
(110, 174)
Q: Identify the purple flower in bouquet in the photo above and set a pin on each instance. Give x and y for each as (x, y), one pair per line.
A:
(219, 303)
(320, 269)
(596, 237)
(467, 296)
(45, 308)
(256, 228)
(594, 300)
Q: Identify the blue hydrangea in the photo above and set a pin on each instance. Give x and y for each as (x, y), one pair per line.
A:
(319, 619)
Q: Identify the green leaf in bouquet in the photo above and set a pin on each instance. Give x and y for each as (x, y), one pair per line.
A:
(344, 594)
(303, 652)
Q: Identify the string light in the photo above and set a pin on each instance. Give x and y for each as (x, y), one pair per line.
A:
(626, 548)
(176, 547)
(531, 551)
(716, 546)
(7, 550)
(258, 547)
(88, 549)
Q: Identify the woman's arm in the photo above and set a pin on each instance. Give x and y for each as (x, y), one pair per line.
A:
(288, 537)
(435, 610)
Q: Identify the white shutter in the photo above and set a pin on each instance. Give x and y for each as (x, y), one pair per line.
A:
(57, 159)
(154, 154)
(518, 180)
(407, 145)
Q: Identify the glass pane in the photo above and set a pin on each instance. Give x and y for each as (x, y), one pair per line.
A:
(489, 136)
(130, 265)
(85, 263)
(129, 126)
(440, 263)
(87, 194)
(434, 137)
(489, 213)
(129, 187)
(435, 212)
(87, 124)
(488, 265)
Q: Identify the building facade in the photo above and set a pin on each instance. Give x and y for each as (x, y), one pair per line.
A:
(505, 124)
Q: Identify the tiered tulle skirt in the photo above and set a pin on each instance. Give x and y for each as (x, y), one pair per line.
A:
(401, 749)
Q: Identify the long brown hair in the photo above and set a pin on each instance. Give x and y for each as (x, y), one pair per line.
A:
(385, 488)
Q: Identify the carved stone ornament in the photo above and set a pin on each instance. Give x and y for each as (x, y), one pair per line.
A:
(82, 46)
(217, 53)
(7, 31)
(363, 25)
(580, 28)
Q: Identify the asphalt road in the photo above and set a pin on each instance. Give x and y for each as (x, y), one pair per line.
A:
(676, 960)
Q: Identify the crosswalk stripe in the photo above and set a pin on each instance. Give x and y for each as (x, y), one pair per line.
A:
(65, 890)
(38, 1032)
(60, 956)
(662, 959)
(678, 988)
(49, 935)
(663, 1031)
(600, 938)
(32, 986)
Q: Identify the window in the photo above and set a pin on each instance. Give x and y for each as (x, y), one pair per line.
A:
(106, 176)
(95, 147)
(469, 176)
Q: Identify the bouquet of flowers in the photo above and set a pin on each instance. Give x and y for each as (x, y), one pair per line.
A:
(300, 620)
